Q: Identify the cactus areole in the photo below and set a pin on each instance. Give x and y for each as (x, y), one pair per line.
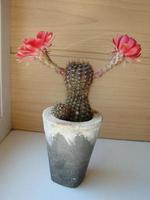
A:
(78, 76)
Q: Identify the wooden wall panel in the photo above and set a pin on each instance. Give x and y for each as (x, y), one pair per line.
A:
(83, 30)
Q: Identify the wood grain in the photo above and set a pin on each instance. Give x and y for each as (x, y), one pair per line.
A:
(83, 31)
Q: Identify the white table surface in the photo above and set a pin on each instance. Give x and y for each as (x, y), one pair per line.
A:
(119, 170)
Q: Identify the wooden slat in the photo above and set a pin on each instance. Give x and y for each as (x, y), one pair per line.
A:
(81, 25)
(121, 96)
(83, 31)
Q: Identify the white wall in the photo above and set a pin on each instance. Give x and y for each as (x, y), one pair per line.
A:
(5, 122)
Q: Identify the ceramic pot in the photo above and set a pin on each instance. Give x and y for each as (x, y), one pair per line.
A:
(70, 145)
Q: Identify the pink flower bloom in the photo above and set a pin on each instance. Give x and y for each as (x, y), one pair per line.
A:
(32, 48)
(127, 47)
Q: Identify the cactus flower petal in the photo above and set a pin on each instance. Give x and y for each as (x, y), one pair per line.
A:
(127, 46)
(33, 47)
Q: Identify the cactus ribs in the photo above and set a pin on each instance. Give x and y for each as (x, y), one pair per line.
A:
(78, 79)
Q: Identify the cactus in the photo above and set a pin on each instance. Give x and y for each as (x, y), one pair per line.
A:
(78, 79)
(78, 76)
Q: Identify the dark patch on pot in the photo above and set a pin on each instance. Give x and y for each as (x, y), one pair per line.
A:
(69, 162)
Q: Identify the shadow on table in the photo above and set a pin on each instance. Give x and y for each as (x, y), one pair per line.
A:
(102, 178)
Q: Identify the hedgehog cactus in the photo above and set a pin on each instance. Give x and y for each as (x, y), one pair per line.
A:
(78, 76)
(78, 79)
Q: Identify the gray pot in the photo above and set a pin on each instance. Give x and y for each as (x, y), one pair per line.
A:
(70, 145)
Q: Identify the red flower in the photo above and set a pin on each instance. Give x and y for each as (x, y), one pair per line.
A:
(127, 46)
(32, 48)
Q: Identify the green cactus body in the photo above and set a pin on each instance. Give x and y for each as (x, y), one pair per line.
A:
(78, 79)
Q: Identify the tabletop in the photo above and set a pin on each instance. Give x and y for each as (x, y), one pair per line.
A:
(118, 170)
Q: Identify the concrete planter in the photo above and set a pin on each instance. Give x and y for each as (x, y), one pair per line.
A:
(70, 145)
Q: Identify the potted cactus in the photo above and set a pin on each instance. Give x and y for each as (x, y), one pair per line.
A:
(71, 128)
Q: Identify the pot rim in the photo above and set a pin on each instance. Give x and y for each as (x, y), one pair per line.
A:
(97, 118)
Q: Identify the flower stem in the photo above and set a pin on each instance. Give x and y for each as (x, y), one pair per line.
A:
(116, 59)
(45, 58)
